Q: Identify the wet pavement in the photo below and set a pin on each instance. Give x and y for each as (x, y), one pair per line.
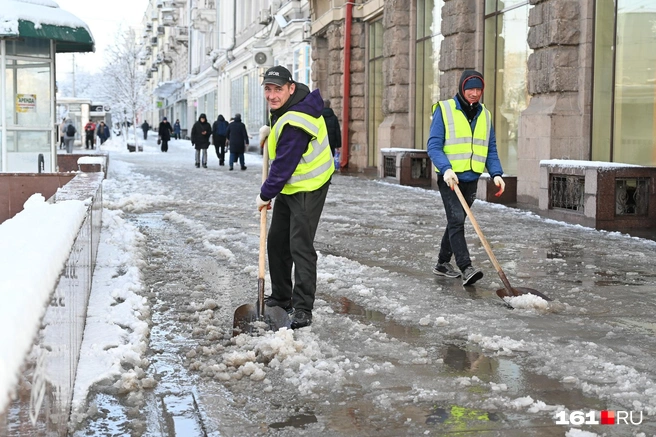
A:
(393, 350)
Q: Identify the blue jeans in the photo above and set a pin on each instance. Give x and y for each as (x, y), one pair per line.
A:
(453, 239)
(233, 159)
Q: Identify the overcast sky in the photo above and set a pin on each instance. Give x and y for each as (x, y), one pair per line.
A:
(104, 19)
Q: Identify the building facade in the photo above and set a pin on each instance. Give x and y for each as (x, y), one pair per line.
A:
(570, 80)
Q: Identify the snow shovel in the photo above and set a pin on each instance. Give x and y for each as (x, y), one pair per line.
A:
(248, 314)
(508, 291)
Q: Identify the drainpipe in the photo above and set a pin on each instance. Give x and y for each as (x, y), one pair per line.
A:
(347, 86)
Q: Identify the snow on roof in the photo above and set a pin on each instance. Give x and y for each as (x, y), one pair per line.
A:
(39, 12)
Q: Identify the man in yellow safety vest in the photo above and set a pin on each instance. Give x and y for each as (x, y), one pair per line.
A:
(461, 145)
(301, 169)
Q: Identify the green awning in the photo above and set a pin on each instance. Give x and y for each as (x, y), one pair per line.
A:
(67, 39)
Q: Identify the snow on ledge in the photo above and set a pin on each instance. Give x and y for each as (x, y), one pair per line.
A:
(34, 248)
(584, 164)
(91, 160)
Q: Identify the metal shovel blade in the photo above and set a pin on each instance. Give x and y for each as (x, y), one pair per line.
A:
(247, 315)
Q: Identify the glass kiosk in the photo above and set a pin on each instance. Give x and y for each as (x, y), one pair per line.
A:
(28, 117)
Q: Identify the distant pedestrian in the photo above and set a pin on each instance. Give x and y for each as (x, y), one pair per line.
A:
(301, 169)
(145, 127)
(103, 132)
(200, 139)
(332, 124)
(164, 131)
(462, 145)
(177, 129)
(61, 133)
(237, 140)
(69, 135)
(219, 132)
(89, 133)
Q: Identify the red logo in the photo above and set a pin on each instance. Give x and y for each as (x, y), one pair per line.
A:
(607, 417)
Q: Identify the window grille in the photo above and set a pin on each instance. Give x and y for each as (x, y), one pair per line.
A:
(390, 166)
(420, 168)
(566, 192)
(631, 196)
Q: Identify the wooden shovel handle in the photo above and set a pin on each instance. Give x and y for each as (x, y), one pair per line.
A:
(493, 258)
(263, 236)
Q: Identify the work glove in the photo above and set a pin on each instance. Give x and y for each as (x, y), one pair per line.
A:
(498, 181)
(450, 178)
(262, 203)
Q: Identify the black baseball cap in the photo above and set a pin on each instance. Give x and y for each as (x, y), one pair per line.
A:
(277, 75)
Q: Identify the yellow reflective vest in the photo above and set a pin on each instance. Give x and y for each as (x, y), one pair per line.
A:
(465, 149)
(316, 165)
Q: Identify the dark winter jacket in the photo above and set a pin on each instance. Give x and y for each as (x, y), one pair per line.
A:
(145, 126)
(176, 127)
(237, 136)
(165, 130)
(201, 133)
(220, 127)
(334, 132)
(292, 142)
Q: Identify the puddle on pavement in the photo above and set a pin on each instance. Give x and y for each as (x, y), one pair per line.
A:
(464, 362)
(344, 305)
(296, 421)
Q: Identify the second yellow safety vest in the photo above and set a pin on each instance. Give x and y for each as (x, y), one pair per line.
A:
(465, 149)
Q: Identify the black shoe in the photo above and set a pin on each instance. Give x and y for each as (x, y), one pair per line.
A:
(230, 169)
(244, 168)
(204, 165)
(471, 275)
(197, 165)
(301, 319)
(221, 164)
(285, 305)
(445, 269)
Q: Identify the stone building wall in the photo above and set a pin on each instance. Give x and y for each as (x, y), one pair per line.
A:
(459, 46)
(396, 130)
(556, 124)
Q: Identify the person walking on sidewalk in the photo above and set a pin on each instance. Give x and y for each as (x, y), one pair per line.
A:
(301, 170)
(145, 127)
(461, 145)
(69, 135)
(237, 140)
(177, 130)
(200, 139)
(219, 132)
(89, 133)
(332, 123)
(164, 131)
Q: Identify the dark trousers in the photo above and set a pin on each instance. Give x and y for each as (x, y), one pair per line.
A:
(291, 244)
(219, 144)
(453, 239)
(88, 140)
(165, 145)
(145, 134)
(234, 157)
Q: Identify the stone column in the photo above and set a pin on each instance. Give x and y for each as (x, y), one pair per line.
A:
(556, 123)
(459, 50)
(395, 130)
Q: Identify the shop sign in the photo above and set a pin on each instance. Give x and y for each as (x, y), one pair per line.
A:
(25, 102)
